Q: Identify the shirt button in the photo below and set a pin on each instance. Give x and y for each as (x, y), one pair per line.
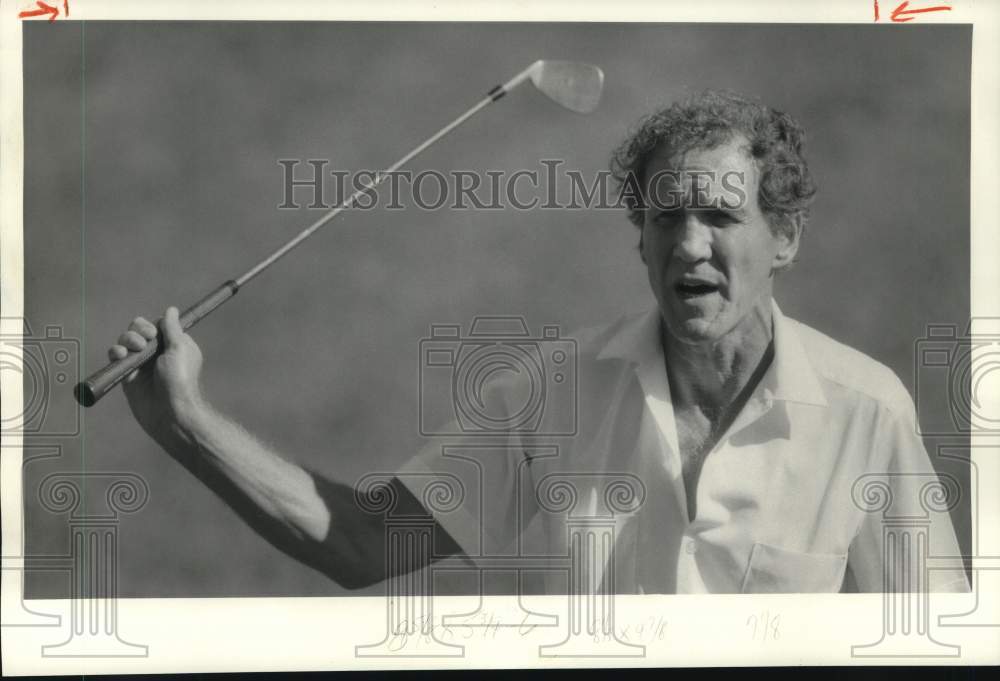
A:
(689, 546)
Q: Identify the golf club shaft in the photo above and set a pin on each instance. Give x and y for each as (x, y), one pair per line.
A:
(379, 178)
(94, 387)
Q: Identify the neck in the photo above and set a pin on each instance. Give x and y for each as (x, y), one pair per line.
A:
(711, 375)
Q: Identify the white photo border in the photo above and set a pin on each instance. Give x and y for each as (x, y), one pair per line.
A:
(289, 634)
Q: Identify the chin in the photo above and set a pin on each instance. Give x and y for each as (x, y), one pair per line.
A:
(692, 323)
(694, 330)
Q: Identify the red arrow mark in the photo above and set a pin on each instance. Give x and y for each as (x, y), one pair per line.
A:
(43, 8)
(901, 13)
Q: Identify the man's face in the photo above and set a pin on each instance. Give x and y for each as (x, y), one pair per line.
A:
(707, 245)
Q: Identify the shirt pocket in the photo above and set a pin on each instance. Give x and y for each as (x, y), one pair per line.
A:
(775, 570)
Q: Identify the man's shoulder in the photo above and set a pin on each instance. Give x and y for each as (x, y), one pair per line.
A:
(852, 370)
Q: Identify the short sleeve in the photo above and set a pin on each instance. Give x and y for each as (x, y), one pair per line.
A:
(906, 503)
(486, 475)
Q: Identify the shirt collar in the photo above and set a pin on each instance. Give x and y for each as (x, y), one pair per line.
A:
(790, 378)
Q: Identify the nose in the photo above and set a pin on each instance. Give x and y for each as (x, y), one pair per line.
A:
(694, 240)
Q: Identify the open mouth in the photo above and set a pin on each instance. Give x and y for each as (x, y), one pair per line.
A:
(694, 289)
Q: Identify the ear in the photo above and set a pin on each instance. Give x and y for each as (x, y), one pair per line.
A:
(788, 244)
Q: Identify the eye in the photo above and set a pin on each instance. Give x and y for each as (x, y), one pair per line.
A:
(720, 218)
(667, 218)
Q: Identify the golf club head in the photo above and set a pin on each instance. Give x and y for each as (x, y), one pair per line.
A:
(573, 84)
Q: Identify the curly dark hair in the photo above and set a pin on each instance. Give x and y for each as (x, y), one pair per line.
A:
(711, 118)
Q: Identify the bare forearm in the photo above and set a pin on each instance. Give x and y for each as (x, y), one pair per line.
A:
(312, 519)
(280, 489)
(278, 499)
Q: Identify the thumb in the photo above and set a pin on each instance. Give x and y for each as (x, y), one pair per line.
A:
(172, 331)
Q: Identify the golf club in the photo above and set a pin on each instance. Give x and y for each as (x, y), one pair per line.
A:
(574, 85)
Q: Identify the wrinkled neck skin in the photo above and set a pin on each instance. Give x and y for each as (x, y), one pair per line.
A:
(711, 374)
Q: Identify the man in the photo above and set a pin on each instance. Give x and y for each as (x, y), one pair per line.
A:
(740, 436)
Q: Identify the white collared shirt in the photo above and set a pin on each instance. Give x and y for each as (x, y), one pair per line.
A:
(822, 463)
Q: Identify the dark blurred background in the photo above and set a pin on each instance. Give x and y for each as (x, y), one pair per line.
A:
(151, 175)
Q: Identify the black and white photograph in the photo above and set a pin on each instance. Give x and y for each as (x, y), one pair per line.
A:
(505, 330)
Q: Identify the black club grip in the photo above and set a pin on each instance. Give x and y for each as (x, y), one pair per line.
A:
(97, 385)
